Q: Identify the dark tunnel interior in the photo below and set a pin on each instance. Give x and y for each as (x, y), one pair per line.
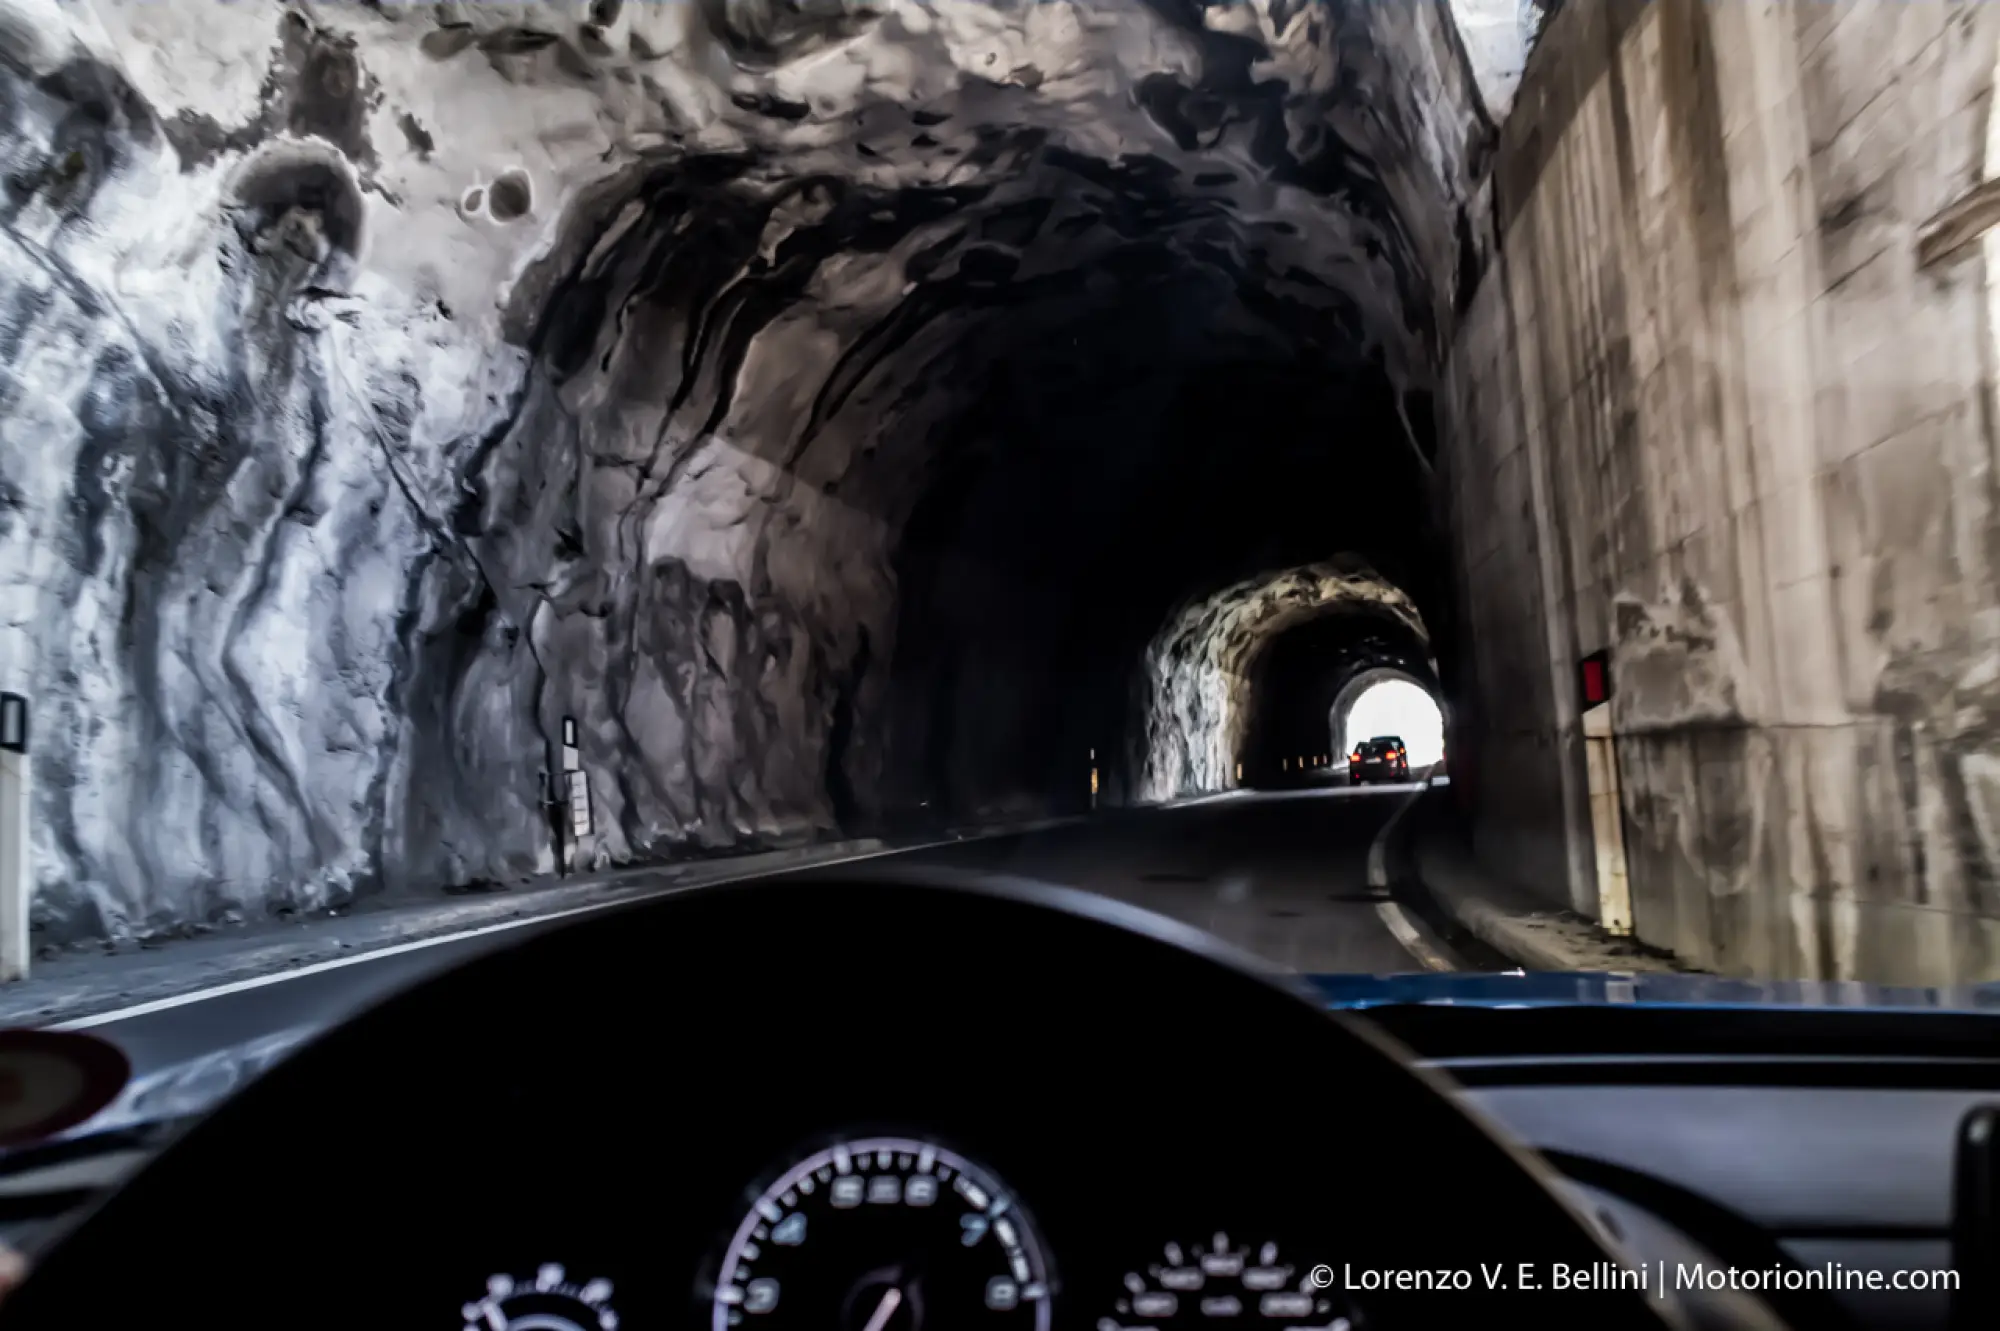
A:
(1094, 402)
(879, 453)
(1035, 573)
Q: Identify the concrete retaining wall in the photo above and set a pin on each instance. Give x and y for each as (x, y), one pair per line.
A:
(1706, 409)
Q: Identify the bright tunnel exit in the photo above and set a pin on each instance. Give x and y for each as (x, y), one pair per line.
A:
(1398, 707)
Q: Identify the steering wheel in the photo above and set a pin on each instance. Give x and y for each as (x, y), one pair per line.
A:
(597, 1088)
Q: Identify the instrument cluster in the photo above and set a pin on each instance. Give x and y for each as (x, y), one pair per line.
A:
(890, 1233)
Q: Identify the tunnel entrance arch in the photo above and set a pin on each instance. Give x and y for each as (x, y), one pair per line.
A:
(1426, 743)
(1223, 700)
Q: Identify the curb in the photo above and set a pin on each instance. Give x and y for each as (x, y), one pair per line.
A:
(1502, 932)
(1532, 934)
(1392, 836)
(1408, 927)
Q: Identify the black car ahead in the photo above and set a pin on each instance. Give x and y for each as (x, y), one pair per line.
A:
(1380, 759)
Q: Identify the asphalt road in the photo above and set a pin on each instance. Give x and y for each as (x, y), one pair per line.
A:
(1282, 874)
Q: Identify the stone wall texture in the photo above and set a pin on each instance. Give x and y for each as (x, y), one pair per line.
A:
(1706, 409)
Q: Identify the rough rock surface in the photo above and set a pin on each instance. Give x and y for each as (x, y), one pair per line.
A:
(380, 384)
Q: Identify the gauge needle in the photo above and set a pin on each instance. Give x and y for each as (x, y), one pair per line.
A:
(884, 1309)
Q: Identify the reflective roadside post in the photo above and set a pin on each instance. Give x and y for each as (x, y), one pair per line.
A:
(13, 837)
(1607, 817)
(576, 786)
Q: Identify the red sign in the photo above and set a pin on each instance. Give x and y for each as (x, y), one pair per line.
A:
(1596, 678)
(50, 1081)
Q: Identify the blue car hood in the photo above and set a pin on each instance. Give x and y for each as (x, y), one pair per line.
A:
(1560, 989)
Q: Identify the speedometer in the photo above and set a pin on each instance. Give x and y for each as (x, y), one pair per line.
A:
(883, 1234)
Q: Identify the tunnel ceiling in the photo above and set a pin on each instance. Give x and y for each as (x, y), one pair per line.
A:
(824, 405)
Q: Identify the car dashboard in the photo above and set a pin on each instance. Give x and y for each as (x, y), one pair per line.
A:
(1815, 1150)
(910, 1108)
(947, 1126)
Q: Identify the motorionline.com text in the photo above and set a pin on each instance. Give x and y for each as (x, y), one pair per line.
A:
(1648, 1276)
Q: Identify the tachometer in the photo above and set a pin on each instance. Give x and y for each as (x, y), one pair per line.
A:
(884, 1234)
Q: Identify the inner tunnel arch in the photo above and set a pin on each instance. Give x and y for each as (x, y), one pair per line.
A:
(1296, 683)
(1245, 655)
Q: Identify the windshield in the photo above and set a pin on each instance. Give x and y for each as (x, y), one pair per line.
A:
(465, 466)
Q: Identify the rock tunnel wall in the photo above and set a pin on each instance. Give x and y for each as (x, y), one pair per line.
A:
(1717, 407)
(384, 383)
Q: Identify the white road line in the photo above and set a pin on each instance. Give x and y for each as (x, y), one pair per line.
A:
(1398, 921)
(1378, 849)
(1404, 928)
(1192, 801)
(394, 949)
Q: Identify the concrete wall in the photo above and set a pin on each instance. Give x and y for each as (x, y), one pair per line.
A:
(1708, 410)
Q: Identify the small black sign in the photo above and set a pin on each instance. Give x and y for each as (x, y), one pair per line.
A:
(13, 723)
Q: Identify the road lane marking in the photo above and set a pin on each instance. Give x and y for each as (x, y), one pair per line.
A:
(1404, 928)
(397, 949)
(1399, 922)
(1378, 849)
